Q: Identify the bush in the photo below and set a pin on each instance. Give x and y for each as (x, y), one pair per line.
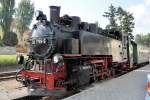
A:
(10, 39)
(1, 43)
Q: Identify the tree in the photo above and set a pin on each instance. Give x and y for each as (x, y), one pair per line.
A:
(138, 38)
(120, 13)
(24, 15)
(120, 20)
(111, 14)
(11, 39)
(6, 13)
(126, 22)
(143, 39)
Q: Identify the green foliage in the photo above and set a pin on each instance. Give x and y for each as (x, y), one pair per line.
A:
(120, 20)
(6, 13)
(143, 39)
(0, 13)
(111, 14)
(1, 32)
(128, 23)
(24, 15)
(1, 43)
(125, 20)
(10, 39)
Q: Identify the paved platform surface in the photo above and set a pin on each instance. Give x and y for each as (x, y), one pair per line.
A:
(131, 86)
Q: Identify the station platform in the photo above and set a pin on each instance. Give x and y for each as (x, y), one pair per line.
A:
(131, 86)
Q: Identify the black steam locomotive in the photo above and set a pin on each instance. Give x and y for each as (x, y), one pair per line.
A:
(65, 54)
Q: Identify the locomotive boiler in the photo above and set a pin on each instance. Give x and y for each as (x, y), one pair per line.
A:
(66, 53)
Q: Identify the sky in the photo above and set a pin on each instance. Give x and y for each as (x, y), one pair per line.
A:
(92, 10)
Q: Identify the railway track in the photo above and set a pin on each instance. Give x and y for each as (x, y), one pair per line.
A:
(38, 98)
(30, 97)
(7, 75)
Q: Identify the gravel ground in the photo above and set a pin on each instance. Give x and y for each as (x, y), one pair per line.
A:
(131, 86)
(7, 50)
(9, 68)
(11, 89)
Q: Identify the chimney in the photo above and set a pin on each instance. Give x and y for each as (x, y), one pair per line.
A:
(54, 14)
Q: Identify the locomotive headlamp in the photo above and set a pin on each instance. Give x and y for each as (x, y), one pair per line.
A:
(38, 13)
(40, 16)
(58, 59)
(20, 59)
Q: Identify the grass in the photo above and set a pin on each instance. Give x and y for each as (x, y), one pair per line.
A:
(7, 59)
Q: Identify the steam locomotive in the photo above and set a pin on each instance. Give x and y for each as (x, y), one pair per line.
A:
(66, 54)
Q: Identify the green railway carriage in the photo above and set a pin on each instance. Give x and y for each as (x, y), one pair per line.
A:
(142, 53)
(138, 53)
